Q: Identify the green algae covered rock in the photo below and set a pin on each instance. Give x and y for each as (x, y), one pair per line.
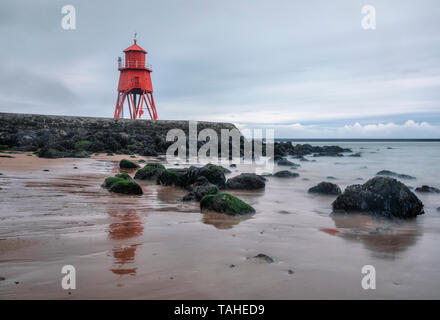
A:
(149, 171)
(127, 164)
(126, 187)
(125, 176)
(225, 203)
(110, 180)
(173, 177)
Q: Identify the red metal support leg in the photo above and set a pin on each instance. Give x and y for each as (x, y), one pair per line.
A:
(119, 104)
(153, 106)
(148, 108)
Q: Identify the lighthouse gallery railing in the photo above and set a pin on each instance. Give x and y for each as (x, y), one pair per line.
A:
(133, 64)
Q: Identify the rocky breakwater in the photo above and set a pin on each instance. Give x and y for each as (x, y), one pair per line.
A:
(63, 136)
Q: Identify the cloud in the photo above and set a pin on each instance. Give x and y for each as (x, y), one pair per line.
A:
(406, 130)
(247, 61)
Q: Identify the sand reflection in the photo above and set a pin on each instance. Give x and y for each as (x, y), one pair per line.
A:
(127, 226)
(223, 221)
(385, 238)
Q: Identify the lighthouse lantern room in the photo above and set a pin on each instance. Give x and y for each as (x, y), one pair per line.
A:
(135, 84)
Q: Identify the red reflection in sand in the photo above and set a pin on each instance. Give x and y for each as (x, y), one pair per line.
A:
(127, 225)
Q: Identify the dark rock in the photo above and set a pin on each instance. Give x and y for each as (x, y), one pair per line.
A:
(173, 177)
(124, 176)
(110, 180)
(290, 271)
(428, 189)
(326, 188)
(331, 178)
(199, 189)
(149, 171)
(49, 153)
(264, 257)
(247, 181)
(214, 174)
(328, 154)
(225, 170)
(393, 174)
(383, 196)
(233, 165)
(299, 150)
(126, 187)
(284, 212)
(127, 164)
(438, 209)
(356, 155)
(225, 203)
(122, 183)
(185, 177)
(286, 174)
(285, 162)
(277, 157)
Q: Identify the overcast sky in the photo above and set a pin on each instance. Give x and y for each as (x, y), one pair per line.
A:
(305, 68)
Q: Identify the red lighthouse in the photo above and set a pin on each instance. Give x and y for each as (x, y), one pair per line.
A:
(135, 84)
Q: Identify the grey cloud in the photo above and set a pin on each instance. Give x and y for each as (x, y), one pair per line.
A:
(212, 60)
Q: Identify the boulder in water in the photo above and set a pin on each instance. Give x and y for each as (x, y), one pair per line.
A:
(355, 155)
(126, 187)
(383, 196)
(394, 174)
(428, 189)
(285, 162)
(199, 189)
(214, 173)
(286, 174)
(225, 203)
(127, 164)
(124, 176)
(264, 258)
(326, 188)
(173, 177)
(149, 171)
(247, 181)
(122, 183)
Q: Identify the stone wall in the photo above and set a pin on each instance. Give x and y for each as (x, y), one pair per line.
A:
(63, 136)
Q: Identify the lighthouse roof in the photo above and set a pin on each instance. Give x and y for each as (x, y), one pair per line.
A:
(135, 47)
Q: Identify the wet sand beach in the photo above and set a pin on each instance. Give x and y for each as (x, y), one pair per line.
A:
(54, 212)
